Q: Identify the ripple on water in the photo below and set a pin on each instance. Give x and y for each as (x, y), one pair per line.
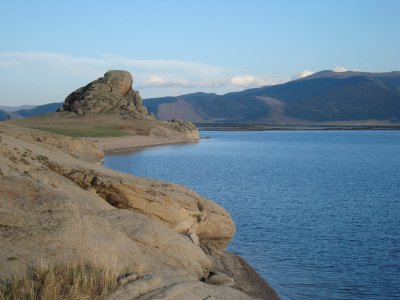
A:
(316, 211)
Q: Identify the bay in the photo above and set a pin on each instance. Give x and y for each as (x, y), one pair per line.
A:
(316, 212)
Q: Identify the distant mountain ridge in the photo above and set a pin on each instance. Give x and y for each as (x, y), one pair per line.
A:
(31, 112)
(15, 108)
(325, 96)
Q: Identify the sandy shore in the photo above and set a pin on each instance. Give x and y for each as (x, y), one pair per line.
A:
(133, 142)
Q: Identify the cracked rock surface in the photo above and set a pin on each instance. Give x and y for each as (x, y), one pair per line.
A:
(57, 204)
(111, 93)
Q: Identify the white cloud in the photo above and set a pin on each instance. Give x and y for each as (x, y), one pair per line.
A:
(251, 81)
(155, 80)
(158, 81)
(339, 69)
(242, 81)
(302, 74)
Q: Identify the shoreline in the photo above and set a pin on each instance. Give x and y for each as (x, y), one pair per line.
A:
(259, 127)
(231, 261)
(167, 234)
(131, 143)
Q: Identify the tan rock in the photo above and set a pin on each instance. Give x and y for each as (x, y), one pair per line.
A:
(245, 277)
(219, 278)
(174, 285)
(57, 204)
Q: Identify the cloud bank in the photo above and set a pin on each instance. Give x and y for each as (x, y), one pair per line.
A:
(42, 77)
(251, 81)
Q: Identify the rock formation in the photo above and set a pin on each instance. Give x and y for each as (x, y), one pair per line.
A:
(58, 204)
(112, 97)
(111, 93)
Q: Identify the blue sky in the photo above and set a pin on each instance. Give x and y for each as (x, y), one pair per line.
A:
(50, 48)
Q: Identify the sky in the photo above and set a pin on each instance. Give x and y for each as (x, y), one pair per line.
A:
(50, 48)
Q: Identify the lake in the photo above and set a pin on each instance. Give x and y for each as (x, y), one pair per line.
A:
(317, 212)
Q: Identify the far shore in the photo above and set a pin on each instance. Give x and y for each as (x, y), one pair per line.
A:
(264, 127)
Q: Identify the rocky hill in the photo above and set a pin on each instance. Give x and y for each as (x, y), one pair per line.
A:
(109, 107)
(325, 96)
(111, 93)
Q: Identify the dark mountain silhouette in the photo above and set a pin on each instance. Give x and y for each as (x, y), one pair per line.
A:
(325, 96)
(35, 111)
(321, 97)
(15, 108)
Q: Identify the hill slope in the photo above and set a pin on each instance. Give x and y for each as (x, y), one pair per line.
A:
(322, 97)
(30, 112)
(15, 108)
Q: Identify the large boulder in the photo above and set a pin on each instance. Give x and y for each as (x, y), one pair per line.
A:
(111, 93)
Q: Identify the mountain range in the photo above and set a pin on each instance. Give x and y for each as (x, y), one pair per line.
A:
(326, 96)
(31, 111)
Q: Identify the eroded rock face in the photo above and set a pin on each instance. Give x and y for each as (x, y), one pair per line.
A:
(111, 93)
(57, 205)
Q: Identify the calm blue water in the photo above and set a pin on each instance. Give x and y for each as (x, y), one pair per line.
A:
(317, 212)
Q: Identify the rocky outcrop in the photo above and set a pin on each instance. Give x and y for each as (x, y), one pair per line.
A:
(111, 93)
(187, 127)
(58, 204)
(168, 129)
(112, 97)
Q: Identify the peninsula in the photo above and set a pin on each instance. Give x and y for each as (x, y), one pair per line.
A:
(61, 209)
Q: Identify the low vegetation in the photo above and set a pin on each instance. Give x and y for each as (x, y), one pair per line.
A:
(68, 281)
(83, 132)
(106, 125)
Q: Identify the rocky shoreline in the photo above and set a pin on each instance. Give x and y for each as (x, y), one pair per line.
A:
(131, 143)
(58, 203)
(60, 207)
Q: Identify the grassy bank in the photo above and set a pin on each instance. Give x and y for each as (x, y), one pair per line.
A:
(68, 281)
(104, 125)
(92, 131)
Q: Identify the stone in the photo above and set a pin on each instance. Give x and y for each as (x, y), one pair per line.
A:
(177, 286)
(219, 278)
(194, 238)
(112, 93)
(246, 278)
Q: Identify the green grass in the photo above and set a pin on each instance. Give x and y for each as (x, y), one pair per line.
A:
(101, 125)
(83, 132)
